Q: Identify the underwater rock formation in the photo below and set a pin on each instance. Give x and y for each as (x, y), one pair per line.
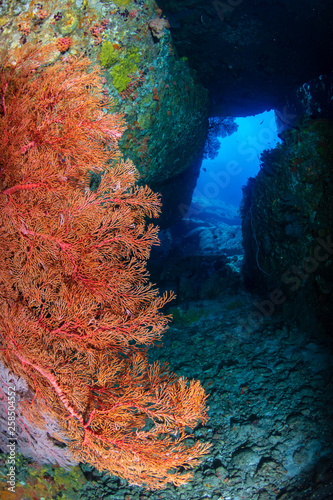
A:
(288, 227)
(249, 54)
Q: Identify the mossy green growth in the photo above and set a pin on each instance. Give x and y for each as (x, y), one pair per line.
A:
(109, 55)
(144, 120)
(122, 2)
(120, 71)
(69, 478)
(181, 317)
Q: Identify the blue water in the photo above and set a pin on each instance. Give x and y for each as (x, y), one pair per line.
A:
(222, 179)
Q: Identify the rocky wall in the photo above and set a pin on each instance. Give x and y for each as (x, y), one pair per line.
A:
(288, 226)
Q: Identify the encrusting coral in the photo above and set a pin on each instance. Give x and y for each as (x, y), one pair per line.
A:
(77, 309)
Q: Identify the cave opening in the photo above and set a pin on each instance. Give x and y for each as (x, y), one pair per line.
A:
(232, 155)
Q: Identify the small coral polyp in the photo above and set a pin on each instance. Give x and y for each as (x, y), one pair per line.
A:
(64, 44)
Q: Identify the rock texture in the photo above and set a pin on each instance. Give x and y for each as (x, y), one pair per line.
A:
(287, 224)
(250, 53)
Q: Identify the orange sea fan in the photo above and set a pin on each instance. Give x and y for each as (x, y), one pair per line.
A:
(77, 310)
